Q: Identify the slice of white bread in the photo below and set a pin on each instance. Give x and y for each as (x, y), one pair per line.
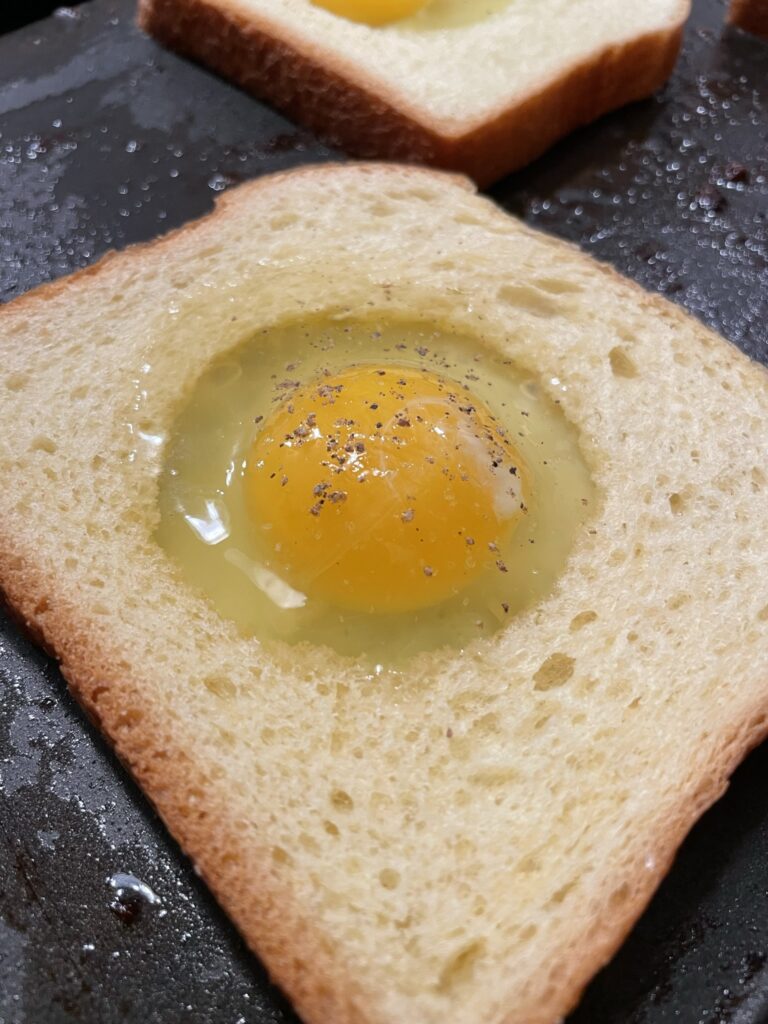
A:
(751, 15)
(484, 98)
(471, 843)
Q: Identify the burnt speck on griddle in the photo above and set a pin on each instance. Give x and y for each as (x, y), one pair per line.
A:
(710, 198)
(649, 252)
(130, 896)
(736, 172)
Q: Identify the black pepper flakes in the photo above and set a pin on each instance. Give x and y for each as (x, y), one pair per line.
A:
(428, 570)
(501, 566)
(407, 516)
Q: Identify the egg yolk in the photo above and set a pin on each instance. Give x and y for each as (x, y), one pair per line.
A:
(383, 489)
(372, 12)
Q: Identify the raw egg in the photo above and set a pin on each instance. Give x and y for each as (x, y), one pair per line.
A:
(378, 487)
(372, 12)
(414, 14)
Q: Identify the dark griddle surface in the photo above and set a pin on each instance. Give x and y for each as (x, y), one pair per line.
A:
(105, 140)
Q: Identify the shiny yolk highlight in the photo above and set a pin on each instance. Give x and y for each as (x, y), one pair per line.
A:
(383, 489)
(372, 12)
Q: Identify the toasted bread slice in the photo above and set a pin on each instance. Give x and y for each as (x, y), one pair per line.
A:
(472, 842)
(751, 15)
(484, 98)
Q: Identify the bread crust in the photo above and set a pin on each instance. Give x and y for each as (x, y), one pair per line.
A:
(299, 957)
(751, 15)
(339, 101)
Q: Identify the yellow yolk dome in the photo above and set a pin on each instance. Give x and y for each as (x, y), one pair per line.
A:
(372, 12)
(383, 489)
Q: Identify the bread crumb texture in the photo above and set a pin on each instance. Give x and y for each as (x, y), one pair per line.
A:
(455, 76)
(468, 840)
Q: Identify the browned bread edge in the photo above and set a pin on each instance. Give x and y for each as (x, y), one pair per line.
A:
(751, 15)
(299, 957)
(348, 109)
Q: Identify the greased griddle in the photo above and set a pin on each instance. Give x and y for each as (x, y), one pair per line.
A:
(106, 139)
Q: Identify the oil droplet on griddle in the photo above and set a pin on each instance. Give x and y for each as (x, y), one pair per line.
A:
(130, 897)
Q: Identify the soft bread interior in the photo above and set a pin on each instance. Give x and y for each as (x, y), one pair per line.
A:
(456, 77)
(470, 840)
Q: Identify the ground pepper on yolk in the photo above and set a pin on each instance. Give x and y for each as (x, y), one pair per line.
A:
(383, 489)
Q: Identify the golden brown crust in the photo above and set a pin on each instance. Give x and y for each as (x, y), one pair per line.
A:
(751, 15)
(338, 101)
(299, 956)
(577, 967)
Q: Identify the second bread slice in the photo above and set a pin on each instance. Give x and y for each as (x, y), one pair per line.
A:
(484, 98)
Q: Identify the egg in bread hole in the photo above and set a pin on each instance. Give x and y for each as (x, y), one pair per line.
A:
(378, 487)
(414, 14)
